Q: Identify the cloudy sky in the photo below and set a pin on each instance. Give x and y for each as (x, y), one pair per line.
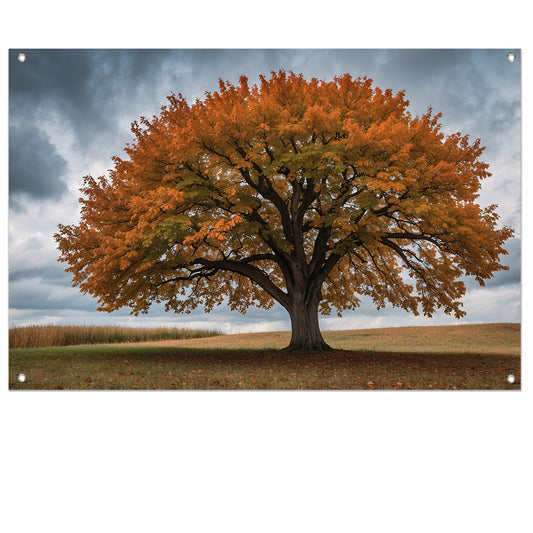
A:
(70, 111)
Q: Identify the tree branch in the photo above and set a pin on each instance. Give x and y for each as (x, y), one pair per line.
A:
(250, 271)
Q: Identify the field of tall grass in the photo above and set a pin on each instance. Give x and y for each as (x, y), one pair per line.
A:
(45, 336)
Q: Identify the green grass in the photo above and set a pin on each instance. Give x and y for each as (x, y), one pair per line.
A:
(483, 362)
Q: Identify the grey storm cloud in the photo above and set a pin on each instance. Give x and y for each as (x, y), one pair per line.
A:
(35, 167)
(87, 89)
(43, 295)
(465, 85)
(52, 274)
(420, 68)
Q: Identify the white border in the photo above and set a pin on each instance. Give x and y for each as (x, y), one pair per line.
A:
(267, 461)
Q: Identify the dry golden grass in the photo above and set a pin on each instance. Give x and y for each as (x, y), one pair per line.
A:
(475, 338)
(49, 335)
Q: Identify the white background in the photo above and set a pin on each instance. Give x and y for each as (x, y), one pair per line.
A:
(267, 461)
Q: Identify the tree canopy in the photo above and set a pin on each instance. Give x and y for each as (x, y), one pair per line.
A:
(309, 193)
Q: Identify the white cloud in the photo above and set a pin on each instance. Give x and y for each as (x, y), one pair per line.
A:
(499, 304)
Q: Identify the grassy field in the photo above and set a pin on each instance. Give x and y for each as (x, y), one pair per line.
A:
(441, 357)
(476, 338)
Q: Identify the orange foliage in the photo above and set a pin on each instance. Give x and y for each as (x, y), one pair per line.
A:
(305, 192)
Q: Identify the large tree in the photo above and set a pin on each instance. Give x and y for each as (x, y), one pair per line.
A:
(307, 193)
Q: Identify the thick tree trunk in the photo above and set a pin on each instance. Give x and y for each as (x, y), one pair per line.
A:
(306, 333)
